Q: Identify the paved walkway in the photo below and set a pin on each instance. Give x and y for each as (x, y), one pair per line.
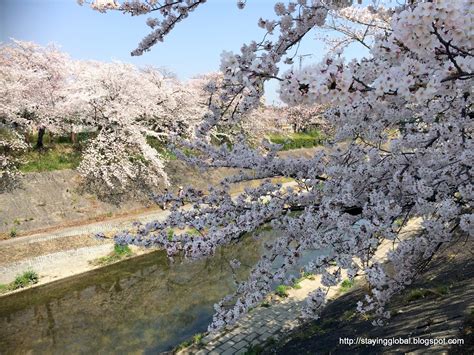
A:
(256, 328)
(260, 325)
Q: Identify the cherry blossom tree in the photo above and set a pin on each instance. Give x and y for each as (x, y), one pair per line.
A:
(359, 25)
(180, 106)
(33, 83)
(402, 151)
(32, 94)
(123, 106)
(303, 117)
(127, 106)
(262, 121)
(109, 98)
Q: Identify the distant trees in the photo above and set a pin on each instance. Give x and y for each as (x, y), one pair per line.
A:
(304, 117)
(123, 106)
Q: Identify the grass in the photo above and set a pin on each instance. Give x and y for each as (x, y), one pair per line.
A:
(4, 288)
(282, 291)
(27, 278)
(305, 275)
(120, 252)
(160, 147)
(346, 285)
(50, 139)
(57, 157)
(59, 152)
(420, 293)
(195, 340)
(298, 140)
(170, 234)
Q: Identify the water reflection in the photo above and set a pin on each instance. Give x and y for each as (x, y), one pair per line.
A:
(143, 305)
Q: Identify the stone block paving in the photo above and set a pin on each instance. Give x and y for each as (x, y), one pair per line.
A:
(257, 327)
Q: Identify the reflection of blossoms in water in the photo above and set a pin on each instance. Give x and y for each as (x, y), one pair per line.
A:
(234, 264)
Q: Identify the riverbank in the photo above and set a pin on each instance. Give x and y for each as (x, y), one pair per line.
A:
(68, 251)
(47, 201)
(277, 316)
(68, 247)
(439, 305)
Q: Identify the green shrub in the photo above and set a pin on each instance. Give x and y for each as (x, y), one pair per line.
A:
(282, 291)
(122, 250)
(13, 232)
(28, 278)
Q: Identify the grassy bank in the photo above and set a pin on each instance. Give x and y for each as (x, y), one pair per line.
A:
(56, 157)
(298, 140)
(60, 152)
(23, 280)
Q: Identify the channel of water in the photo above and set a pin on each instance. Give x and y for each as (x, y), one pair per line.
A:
(147, 304)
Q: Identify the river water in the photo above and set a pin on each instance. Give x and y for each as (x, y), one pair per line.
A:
(143, 305)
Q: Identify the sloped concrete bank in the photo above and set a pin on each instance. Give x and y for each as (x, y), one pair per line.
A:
(50, 200)
(53, 199)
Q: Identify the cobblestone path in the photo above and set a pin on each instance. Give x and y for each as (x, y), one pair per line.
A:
(256, 328)
(260, 325)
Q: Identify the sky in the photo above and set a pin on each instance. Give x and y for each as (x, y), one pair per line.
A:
(192, 48)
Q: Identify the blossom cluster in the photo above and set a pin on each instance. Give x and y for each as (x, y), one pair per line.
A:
(10, 147)
(402, 151)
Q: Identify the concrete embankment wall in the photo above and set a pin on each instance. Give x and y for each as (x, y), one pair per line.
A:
(52, 199)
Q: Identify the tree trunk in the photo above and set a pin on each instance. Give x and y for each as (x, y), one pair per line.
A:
(73, 137)
(39, 142)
